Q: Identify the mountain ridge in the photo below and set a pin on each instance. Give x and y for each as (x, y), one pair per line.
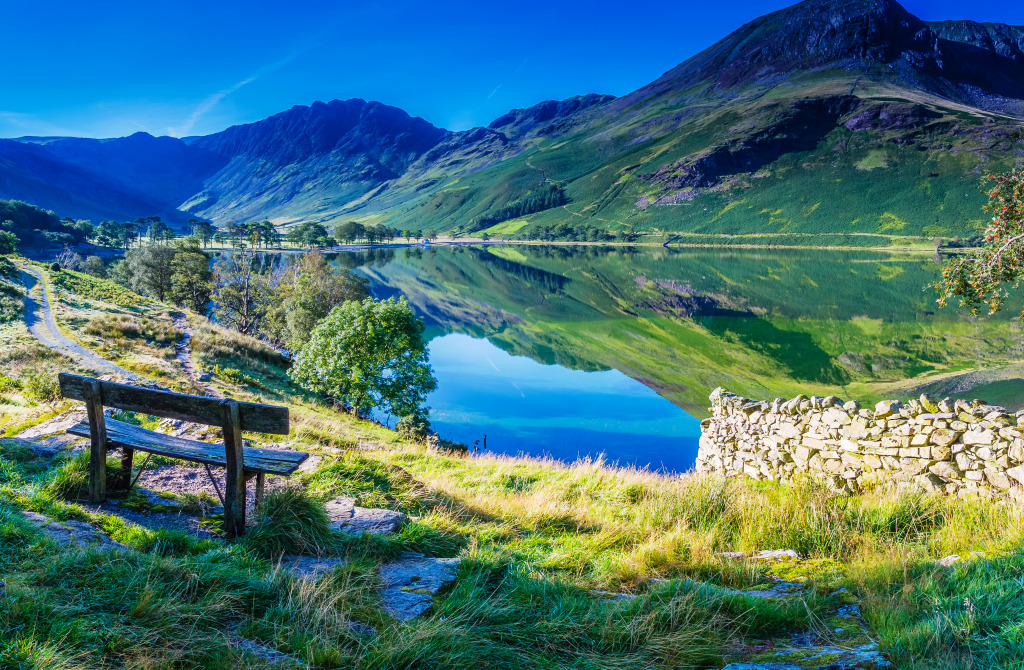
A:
(864, 77)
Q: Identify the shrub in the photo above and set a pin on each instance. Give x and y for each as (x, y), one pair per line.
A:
(290, 521)
(7, 385)
(126, 327)
(414, 427)
(10, 302)
(42, 386)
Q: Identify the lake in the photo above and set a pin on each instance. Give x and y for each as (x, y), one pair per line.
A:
(582, 351)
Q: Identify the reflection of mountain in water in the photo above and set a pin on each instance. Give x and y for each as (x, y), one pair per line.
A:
(762, 324)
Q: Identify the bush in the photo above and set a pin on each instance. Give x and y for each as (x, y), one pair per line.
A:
(42, 386)
(414, 427)
(290, 521)
(129, 328)
(55, 267)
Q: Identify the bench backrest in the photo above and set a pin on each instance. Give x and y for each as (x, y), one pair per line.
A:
(209, 411)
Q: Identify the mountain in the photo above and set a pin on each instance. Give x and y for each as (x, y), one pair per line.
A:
(848, 118)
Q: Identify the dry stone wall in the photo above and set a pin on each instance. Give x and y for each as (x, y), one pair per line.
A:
(959, 448)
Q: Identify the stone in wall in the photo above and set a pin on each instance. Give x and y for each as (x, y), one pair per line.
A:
(953, 447)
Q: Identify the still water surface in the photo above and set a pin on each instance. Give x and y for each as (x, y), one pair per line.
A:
(582, 351)
(523, 406)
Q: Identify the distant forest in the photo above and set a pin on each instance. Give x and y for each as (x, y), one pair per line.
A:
(548, 197)
(37, 228)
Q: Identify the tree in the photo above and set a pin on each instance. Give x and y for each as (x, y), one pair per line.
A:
(150, 270)
(981, 278)
(203, 230)
(242, 297)
(8, 243)
(304, 293)
(94, 266)
(191, 283)
(368, 355)
(110, 234)
(349, 232)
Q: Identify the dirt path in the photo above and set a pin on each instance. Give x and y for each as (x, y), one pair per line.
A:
(183, 352)
(42, 326)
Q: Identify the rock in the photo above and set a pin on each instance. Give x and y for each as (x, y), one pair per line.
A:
(58, 424)
(732, 555)
(410, 584)
(309, 567)
(948, 560)
(886, 408)
(346, 517)
(1017, 473)
(978, 437)
(945, 469)
(777, 555)
(266, 654)
(762, 666)
(205, 376)
(612, 596)
(997, 479)
(73, 533)
(943, 437)
(340, 509)
(376, 521)
(780, 589)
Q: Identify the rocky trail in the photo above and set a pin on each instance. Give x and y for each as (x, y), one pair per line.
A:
(183, 354)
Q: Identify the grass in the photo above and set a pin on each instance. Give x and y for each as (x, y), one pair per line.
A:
(289, 521)
(535, 537)
(94, 288)
(539, 541)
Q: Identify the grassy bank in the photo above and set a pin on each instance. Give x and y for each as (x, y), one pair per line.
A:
(543, 545)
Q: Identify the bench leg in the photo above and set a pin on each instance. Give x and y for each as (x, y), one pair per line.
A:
(124, 481)
(234, 484)
(261, 487)
(97, 442)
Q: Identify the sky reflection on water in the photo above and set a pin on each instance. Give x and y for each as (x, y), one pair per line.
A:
(524, 406)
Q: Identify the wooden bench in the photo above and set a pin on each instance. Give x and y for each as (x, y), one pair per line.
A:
(232, 416)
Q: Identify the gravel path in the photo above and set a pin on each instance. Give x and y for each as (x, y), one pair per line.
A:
(42, 326)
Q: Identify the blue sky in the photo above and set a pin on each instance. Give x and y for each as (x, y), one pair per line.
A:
(110, 67)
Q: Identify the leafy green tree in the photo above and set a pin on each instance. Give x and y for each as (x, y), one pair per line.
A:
(8, 243)
(304, 293)
(243, 294)
(203, 230)
(149, 270)
(368, 355)
(192, 281)
(980, 279)
(93, 265)
(110, 234)
(349, 232)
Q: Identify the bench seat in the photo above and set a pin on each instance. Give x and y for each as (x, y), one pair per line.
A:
(123, 435)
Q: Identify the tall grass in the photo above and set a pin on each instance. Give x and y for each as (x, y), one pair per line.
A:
(290, 521)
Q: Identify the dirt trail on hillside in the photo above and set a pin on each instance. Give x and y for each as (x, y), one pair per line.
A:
(183, 352)
(41, 324)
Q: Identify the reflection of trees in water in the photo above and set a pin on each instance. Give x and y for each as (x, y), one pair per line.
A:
(354, 259)
(571, 252)
(549, 280)
(796, 351)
